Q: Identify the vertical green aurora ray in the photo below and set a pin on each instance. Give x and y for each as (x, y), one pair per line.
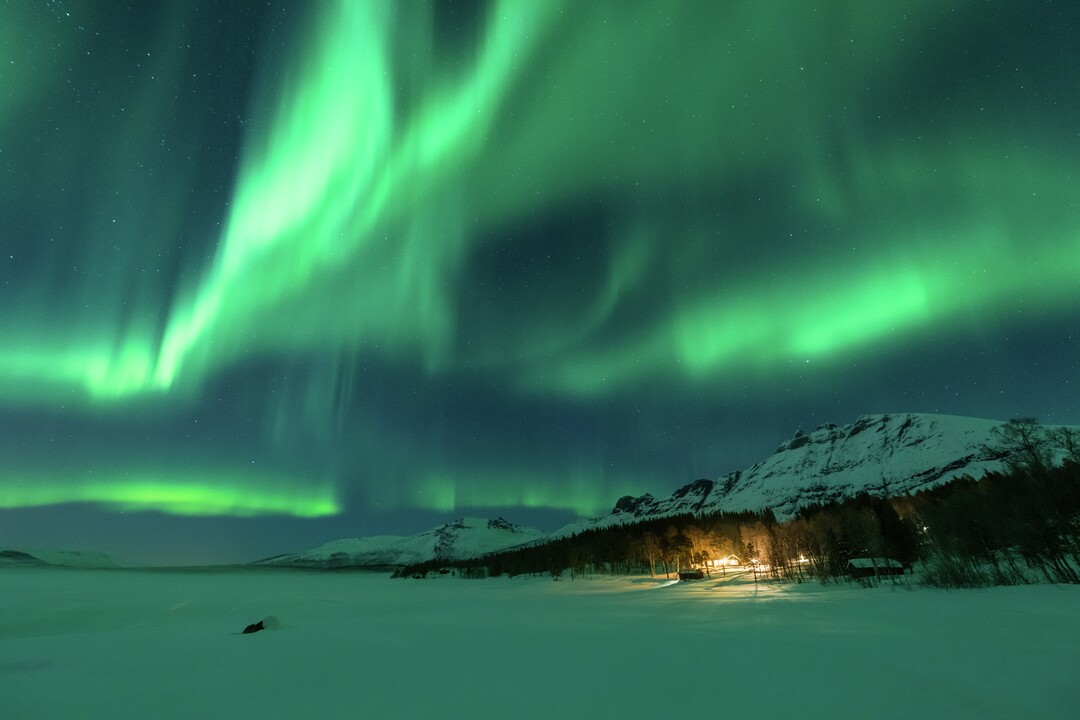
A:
(583, 493)
(94, 224)
(335, 184)
(95, 220)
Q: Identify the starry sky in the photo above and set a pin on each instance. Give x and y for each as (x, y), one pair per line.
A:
(275, 273)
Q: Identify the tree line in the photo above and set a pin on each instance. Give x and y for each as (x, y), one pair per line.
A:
(1011, 527)
(1015, 526)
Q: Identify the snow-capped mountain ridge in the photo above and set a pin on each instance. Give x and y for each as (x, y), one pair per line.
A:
(463, 538)
(880, 454)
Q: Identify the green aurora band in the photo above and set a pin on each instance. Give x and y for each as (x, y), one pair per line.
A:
(203, 494)
(376, 172)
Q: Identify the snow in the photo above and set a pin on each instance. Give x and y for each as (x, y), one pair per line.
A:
(165, 644)
(881, 454)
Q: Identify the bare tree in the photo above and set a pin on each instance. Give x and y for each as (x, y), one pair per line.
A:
(1024, 447)
(700, 545)
(1067, 439)
(651, 547)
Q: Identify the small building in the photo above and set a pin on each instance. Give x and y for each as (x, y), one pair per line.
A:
(692, 574)
(874, 567)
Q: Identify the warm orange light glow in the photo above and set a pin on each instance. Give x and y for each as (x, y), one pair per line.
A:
(729, 561)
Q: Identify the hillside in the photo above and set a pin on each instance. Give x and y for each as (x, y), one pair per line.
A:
(463, 538)
(58, 558)
(879, 454)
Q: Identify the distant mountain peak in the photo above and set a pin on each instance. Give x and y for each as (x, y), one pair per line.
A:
(60, 558)
(456, 540)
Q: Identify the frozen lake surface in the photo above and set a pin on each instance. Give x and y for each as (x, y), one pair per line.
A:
(166, 644)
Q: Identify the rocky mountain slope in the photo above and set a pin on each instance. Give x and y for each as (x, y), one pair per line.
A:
(879, 454)
(463, 538)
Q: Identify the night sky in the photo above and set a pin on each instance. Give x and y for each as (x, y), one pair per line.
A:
(277, 273)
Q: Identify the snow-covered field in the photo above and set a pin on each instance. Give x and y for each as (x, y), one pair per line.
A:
(166, 644)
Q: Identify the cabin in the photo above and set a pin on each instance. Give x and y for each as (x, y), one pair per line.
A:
(874, 567)
(692, 574)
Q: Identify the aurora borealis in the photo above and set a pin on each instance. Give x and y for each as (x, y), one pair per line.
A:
(276, 273)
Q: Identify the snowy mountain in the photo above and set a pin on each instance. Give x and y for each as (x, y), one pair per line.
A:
(463, 538)
(879, 454)
(61, 558)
